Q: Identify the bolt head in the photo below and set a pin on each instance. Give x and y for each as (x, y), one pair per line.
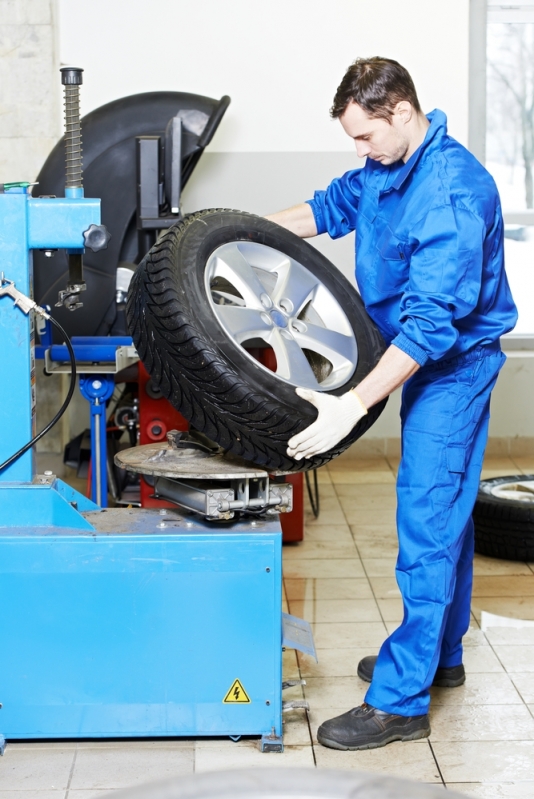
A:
(96, 384)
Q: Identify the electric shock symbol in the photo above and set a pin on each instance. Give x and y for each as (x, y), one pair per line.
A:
(236, 695)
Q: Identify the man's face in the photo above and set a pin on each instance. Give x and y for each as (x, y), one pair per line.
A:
(378, 139)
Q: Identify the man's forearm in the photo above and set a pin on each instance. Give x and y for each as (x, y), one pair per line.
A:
(299, 220)
(393, 369)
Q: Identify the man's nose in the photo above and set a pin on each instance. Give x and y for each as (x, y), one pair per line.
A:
(363, 148)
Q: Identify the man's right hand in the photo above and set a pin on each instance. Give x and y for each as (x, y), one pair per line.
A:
(299, 220)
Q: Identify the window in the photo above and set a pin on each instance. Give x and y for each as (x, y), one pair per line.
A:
(505, 137)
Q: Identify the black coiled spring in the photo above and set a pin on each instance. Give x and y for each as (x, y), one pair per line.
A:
(73, 138)
(71, 78)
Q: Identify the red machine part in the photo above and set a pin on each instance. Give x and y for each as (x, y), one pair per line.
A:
(157, 417)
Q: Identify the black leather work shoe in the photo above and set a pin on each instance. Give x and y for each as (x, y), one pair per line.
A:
(365, 727)
(444, 678)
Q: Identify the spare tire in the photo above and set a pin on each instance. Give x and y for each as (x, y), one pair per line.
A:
(222, 284)
(504, 517)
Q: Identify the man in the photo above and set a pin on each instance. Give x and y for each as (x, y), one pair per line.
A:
(429, 265)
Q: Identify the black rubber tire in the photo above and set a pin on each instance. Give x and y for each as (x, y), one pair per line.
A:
(300, 783)
(209, 378)
(504, 528)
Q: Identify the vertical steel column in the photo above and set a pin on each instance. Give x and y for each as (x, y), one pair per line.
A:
(17, 383)
(97, 389)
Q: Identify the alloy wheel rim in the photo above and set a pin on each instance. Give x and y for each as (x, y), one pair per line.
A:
(259, 295)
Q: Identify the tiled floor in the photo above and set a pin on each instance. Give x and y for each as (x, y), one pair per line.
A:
(341, 579)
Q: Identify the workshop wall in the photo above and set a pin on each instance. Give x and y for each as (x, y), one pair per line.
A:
(29, 82)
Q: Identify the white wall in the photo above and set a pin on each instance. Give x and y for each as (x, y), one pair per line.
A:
(280, 60)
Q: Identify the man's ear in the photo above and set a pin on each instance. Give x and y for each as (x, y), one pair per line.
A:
(404, 110)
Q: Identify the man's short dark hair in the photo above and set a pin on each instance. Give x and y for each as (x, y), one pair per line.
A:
(376, 85)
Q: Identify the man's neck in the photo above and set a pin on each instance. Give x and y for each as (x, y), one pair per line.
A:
(417, 135)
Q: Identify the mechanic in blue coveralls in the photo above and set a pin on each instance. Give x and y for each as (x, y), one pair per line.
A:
(429, 266)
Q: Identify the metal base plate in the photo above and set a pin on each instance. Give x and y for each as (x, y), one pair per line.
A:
(162, 460)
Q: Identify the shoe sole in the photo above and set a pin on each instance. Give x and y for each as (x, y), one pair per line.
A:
(414, 736)
(443, 683)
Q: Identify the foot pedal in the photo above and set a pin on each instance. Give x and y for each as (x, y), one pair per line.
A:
(297, 704)
(292, 683)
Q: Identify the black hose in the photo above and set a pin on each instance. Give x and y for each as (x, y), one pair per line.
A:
(61, 411)
(314, 498)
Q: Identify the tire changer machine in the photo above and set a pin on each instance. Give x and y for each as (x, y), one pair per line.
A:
(127, 622)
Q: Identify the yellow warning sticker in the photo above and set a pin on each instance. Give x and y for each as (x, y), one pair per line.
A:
(236, 694)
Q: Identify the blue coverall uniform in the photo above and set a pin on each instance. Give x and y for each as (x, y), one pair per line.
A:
(430, 269)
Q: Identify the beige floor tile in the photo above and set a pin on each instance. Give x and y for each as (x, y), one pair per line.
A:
(498, 462)
(513, 607)
(353, 477)
(531, 709)
(82, 794)
(481, 723)
(34, 745)
(290, 665)
(379, 567)
(323, 692)
(516, 658)
(349, 636)
(487, 566)
(482, 689)
(323, 476)
(501, 585)
(335, 610)
(494, 790)
(490, 761)
(391, 609)
(296, 728)
(409, 760)
(246, 754)
(33, 794)
(474, 637)
(359, 516)
(329, 532)
(334, 516)
(121, 768)
(329, 588)
(371, 509)
(366, 492)
(481, 660)
(333, 663)
(353, 462)
(514, 636)
(327, 567)
(384, 587)
(391, 626)
(525, 685)
(32, 769)
(311, 550)
(379, 548)
(326, 491)
(524, 464)
(474, 622)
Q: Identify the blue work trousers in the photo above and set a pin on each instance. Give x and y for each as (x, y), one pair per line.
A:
(444, 415)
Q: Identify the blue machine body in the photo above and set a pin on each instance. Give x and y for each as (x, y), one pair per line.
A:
(136, 629)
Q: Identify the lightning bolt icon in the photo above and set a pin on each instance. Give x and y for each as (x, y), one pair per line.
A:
(236, 692)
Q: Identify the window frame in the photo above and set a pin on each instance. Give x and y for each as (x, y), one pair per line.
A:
(481, 12)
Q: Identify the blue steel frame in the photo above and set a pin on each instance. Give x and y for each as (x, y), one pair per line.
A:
(25, 224)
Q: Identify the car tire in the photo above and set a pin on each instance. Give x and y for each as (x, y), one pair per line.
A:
(181, 315)
(504, 523)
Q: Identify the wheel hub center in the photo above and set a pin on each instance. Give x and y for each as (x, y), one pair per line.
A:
(278, 318)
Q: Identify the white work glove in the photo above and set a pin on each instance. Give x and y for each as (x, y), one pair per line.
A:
(337, 416)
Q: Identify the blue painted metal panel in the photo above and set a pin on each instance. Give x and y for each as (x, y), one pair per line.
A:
(138, 631)
(60, 222)
(36, 506)
(18, 378)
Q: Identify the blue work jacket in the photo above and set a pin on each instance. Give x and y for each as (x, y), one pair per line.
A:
(429, 246)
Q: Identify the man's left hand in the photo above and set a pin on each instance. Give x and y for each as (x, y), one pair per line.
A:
(336, 418)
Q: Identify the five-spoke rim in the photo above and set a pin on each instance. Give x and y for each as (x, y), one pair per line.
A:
(259, 293)
(517, 490)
